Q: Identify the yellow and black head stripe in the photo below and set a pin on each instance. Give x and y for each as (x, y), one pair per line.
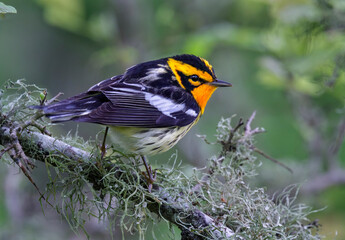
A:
(196, 62)
(195, 75)
(179, 67)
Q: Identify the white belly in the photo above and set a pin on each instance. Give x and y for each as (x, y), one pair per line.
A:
(147, 141)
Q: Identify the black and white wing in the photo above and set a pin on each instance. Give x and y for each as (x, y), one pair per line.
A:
(131, 104)
(115, 102)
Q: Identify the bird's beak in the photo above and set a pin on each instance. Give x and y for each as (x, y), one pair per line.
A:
(219, 83)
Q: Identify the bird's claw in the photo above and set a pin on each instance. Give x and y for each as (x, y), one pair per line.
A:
(150, 177)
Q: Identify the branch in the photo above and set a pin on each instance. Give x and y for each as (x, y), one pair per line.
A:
(248, 128)
(224, 207)
(272, 159)
(321, 182)
(40, 146)
(335, 146)
(250, 132)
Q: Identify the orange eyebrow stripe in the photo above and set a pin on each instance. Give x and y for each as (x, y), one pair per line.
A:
(188, 70)
(207, 64)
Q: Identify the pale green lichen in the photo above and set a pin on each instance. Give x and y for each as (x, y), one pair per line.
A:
(110, 189)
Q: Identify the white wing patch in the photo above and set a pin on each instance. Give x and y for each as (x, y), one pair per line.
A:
(165, 105)
(121, 91)
(191, 112)
(142, 88)
(153, 74)
(134, 84)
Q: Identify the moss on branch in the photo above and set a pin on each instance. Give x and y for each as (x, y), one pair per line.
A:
(213, 204)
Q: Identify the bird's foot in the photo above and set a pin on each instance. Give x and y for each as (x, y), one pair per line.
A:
(103, 149)
(150, 175)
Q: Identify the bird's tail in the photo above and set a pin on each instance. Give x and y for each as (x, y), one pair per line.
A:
(73, 108)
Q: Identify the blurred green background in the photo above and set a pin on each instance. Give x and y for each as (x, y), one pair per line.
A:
(285, 59)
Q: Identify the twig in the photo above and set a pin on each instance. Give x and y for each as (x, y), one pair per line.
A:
(229, 145)
(19, 153)
(6, 149)
(17, 160)
(33, 122)
(53, 99)
(272, 159)
(14, 148)
(248, 130)
(340, 138)
(324, 181)
(232, 132)
(335, 147)
(249, 122)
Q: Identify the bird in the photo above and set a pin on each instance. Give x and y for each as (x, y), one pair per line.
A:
(148, 108)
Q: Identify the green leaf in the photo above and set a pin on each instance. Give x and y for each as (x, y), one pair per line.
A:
(68, 15)
(4, 9)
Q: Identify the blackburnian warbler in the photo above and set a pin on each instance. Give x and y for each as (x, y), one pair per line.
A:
(150, 107)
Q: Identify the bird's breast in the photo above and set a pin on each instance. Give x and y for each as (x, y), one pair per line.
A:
(148, 141)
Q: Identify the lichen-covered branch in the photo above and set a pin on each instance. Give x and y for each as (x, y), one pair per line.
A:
(40, 146)
(216, 203)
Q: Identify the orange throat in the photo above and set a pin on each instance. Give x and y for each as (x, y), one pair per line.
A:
(202, 94)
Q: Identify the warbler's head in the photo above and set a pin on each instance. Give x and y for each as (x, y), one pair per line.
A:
(195, 75)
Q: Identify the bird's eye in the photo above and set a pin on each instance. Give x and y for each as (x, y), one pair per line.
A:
(194, 77)
(195, 80)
